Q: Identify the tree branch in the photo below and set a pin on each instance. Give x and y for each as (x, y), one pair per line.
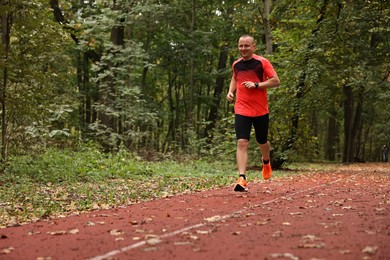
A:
(91, 54)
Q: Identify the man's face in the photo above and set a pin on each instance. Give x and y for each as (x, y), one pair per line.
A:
(246, 46)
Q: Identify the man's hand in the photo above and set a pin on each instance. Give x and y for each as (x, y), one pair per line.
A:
(248, 84)
(230, 96)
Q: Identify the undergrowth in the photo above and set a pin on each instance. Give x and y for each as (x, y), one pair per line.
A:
(64, 182)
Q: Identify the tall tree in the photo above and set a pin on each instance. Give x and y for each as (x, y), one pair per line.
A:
(265, 13)
(32, 82)
(303, 61)
(5, 18)
(362, 64)
(86, 53)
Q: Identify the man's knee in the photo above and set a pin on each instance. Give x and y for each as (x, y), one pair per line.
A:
(266, 144)
(242, 143)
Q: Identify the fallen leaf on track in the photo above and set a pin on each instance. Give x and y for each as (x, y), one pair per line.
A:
(149, 236)
(319, 245)
(90, 223)
(146, 220)
(30, 233)
(277, 234)
(150, 249)
(203, 232)
(370, 232)
(74, 231)
(116, 232)
(310, 237)
(153, 241)
(7, 250)
(182, 243)
(213, 218)
(370, 250)
(284, 255)
(57, 233)
(345, 252)
(296, 214)
(263, 222)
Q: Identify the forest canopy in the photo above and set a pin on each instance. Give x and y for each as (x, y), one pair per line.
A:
(151, 76)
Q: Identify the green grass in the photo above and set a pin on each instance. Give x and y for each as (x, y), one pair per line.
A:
(59, 183)
(67, 182)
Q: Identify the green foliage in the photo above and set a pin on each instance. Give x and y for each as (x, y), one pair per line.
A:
(347, 47)
(65, 181)
(151, 94)
(38, 70)
(86, 165)
(69, 82)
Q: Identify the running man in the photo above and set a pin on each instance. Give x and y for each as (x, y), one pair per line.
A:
(252, 75)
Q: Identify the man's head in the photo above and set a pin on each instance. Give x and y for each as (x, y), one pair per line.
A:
(246, 46)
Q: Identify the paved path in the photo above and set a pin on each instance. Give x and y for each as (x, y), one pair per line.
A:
(324, 215)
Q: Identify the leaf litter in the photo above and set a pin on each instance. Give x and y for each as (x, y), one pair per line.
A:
(310, 241)
(371, 250)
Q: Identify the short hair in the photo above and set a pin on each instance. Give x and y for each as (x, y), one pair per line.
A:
(248, 36)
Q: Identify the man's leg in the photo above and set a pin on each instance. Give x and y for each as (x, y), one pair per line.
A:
(243, 129)
(261, 128)
(242, 155)
(266, 170)
(265, 150)
(242, 159)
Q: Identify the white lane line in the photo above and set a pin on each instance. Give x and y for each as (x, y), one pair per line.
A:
(216, 218)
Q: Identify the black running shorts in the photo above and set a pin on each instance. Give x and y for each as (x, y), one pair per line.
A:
(243, 126)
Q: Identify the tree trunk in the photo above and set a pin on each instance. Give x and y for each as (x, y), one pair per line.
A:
(267, 25)
(190, 116)
(108, 95)
(81, 89)
(357, 125)
(278, 161)
(218, 89)
(352, 123)
(330, 146)
(91, 95)
(348, 107)
(171, 126)
(5, 41)
(146, 68)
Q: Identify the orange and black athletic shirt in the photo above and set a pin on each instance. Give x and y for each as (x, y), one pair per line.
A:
(251, 102)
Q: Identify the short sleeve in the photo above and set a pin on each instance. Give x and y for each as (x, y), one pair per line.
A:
(269, 71)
